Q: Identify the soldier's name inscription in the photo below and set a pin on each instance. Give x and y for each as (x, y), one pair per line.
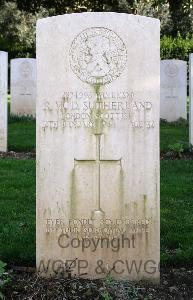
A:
(79, 109)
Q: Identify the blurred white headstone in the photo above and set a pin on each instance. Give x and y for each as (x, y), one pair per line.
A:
(191, 99)
(23, 86)
(173, 90)
(3, 99)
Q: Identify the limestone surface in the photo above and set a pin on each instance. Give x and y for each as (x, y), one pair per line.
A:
(98, 94)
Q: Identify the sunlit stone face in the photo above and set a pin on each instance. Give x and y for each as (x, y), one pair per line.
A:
(3, 100)
(98, 145)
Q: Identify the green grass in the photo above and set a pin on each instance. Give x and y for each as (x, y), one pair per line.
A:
(170, 135)
(177, 212)
(17, 211)
(21, 134)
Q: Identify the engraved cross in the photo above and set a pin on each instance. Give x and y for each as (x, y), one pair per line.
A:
(98, 213)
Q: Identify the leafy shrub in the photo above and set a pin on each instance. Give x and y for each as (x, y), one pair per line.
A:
(17, 30)
(177, 148)
(176, 48)
(180, 148)
(4, 278)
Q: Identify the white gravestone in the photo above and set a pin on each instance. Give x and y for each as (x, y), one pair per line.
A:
(23, 86)
(191, 99)
(98, 145)
(3, 100)
(173, 98)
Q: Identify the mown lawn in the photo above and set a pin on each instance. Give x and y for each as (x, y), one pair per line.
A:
(17, 199)
(17, 211)
(170, 135)
(177, 212)
(21, 134)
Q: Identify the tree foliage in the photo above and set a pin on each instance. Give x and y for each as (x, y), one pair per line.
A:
(181, 15)
(17, 30)
(176, 47)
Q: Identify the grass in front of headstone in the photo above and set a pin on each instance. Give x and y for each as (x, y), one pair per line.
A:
(21, 134)
(17, 211)
(173, 133)
(177, 212)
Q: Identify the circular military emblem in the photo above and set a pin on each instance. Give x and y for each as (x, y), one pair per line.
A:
(171, 69)
(25, 69)
(98, 56)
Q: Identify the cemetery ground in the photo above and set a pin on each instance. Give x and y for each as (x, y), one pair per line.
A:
(17, 224)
